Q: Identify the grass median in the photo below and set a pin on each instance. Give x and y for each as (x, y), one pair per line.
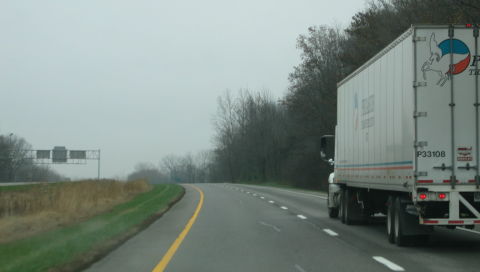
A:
(73, 247)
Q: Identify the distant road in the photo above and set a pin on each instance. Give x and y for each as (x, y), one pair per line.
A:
(254, 228)
(31, 182)
(18, 183)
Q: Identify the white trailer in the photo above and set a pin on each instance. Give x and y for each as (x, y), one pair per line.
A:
(407, 134)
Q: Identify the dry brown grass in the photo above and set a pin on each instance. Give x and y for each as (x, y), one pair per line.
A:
(44, 207)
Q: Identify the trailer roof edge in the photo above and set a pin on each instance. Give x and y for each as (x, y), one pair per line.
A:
(385, 50)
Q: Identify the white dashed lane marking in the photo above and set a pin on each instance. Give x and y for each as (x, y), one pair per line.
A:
(299, 268)
(387, 263)
(298, 193)
(277, 229)
(330, 232)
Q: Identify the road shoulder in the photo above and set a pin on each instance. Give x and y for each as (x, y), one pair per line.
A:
(143, 251)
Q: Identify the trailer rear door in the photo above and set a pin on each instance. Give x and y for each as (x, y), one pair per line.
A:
(446, 105)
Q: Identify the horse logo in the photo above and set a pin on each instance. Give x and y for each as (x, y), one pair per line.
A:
(439, 60)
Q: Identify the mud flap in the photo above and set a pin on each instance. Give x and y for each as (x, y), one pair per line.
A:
(410, 222)
(353, 209)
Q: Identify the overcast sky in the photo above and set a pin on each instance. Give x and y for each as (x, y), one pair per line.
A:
(140, 79)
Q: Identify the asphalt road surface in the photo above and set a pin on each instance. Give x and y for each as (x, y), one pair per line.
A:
(252, 228)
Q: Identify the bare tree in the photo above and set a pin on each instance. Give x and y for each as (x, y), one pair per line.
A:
(13, 153)
(203, 161)
(171, 164)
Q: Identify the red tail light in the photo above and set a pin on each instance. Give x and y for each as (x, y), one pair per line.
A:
(422, 196)
(442, 195)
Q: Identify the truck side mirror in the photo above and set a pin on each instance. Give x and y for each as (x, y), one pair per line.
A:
(327, 148)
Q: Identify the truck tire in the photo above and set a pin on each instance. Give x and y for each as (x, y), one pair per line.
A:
(398, 222)
(391, 219)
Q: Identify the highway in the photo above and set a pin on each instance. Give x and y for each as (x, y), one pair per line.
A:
(231, 227)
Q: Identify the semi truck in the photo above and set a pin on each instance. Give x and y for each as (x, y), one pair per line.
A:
(406, 140)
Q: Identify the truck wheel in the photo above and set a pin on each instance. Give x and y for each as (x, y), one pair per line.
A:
(400, 237)
(391, 219)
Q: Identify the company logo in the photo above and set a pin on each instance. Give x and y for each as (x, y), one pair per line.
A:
(439, 61)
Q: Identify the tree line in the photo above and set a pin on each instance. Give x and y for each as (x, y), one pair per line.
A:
(16, 165)
(175, 169)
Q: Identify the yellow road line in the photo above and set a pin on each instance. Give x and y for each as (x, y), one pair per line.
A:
(174, 247)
